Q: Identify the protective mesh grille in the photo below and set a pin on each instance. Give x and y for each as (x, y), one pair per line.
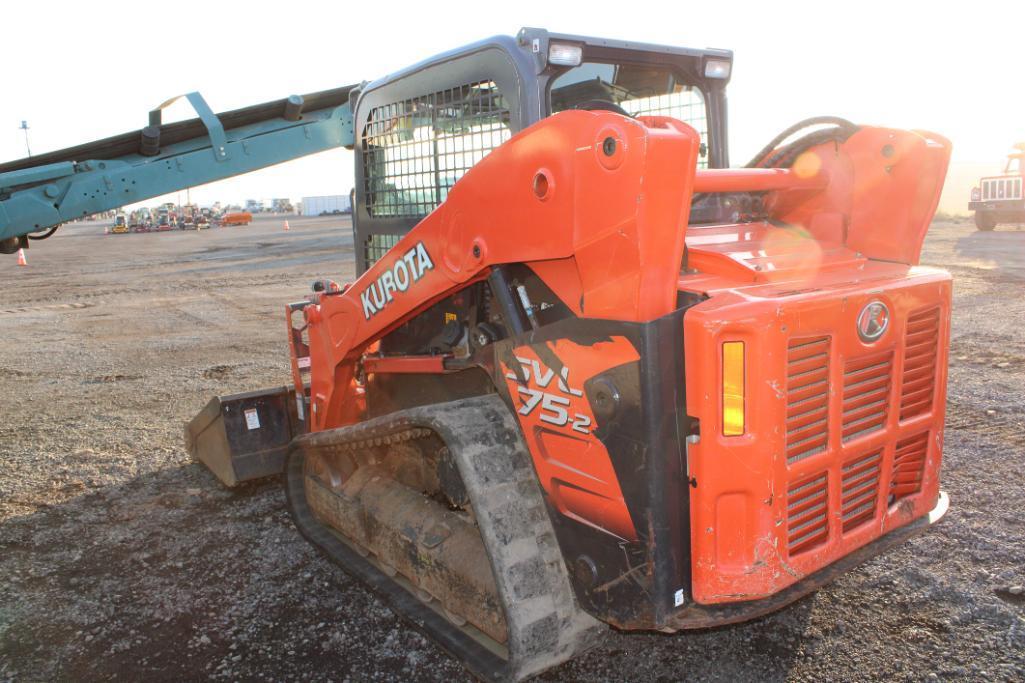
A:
(377, 246)
(416, 149)
(687, 106)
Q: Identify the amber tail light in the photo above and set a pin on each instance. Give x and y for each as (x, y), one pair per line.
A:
(733, 388)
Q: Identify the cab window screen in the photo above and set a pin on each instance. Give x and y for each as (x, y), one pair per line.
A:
(416, 149)
(641, 90)
(376, 246)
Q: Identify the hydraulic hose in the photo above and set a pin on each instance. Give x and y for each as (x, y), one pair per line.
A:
(774, 156)
(46, 234)
(842, 130)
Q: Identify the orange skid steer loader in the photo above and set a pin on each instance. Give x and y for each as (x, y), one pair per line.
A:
(598, 383)
(589, 374)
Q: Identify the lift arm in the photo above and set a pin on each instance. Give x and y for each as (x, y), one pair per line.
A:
(38, 193)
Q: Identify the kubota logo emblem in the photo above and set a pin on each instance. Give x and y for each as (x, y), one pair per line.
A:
(403, 272)
(873, 321)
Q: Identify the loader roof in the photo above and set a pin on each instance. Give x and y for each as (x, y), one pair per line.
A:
(531, 45)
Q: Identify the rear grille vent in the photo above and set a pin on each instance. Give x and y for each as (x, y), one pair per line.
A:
(918, 383)
(807, 514)
(807, 397)
(908, 466)
(860, 489)
(866, 393)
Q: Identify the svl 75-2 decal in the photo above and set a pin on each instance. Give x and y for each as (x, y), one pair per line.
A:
(558, 425)
(554, 401)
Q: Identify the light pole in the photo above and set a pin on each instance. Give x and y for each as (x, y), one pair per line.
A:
(24, 127)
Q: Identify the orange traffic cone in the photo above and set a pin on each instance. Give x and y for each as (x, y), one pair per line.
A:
(21, 258)
(286, 226)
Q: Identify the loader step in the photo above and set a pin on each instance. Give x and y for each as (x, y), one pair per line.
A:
(543, 624)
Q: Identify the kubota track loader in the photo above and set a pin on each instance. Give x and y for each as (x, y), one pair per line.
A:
(588, 374)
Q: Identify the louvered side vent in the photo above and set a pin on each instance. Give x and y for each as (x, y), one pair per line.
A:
(807, 397)
(918, 383)
(908, 466)
(866, 393)
(860, 489)
(807, 518)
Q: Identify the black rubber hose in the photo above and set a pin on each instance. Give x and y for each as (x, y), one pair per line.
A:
(785, 156)
(813, 121)
(46, 234)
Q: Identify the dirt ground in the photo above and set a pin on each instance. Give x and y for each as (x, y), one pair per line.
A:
(121, 559)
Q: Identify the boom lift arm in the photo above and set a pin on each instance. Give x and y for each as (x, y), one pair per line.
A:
(39, 193)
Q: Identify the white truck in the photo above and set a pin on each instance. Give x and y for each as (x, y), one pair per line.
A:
(1000, 199)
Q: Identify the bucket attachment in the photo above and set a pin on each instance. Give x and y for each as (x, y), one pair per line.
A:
(245, 436)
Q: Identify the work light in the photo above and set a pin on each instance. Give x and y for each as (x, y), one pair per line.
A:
(717, 68)
(565, 54)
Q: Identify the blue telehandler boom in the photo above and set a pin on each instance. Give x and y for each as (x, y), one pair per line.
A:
(39, 193)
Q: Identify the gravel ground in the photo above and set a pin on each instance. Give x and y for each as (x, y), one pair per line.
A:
(120, 558)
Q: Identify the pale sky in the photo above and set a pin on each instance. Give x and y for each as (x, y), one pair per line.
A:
(81, 71)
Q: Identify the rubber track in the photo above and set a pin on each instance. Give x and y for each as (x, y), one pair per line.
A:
(544, 623)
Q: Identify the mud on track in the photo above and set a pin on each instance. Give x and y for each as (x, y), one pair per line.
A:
(119, 558)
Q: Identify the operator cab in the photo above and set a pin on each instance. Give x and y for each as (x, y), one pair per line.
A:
(632, 90)
(418, 131)
(1014, 166)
